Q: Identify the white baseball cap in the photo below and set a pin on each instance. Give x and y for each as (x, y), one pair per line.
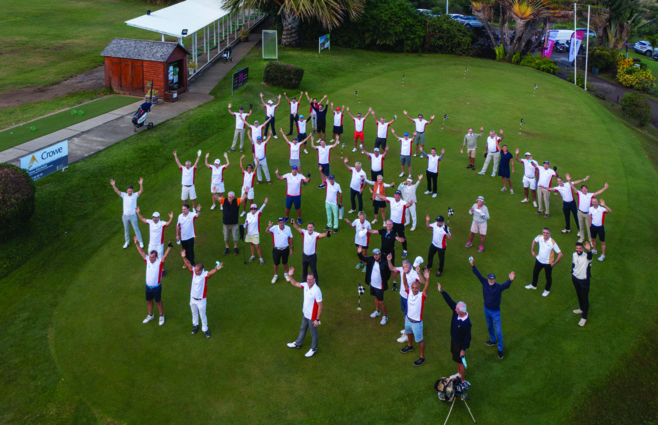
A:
(253, 206)
(270, 102)
(418, 261)
(217, 161)
(156, 214)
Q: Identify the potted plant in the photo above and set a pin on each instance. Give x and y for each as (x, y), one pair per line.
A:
(244, 35)
(151, 93)
(192, 67)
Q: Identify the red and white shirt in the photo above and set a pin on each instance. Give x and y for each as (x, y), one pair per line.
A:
(584, 201)
(199, 285)
(217, 174)
(301, 126)
(397, 210)
(153, 272)
(239, 123)
(312, 296)
(433, 163)
(294, 149)
(311, 110)
(332, 193)
(405, 145)
(280, 238)
(415, 305)
(439, 235)
(247, 180)
(260, 149)
(360, 227)
(186, 225)
(294, 106)
(493, 144)
(270, 110)
(545, 177)
(598, 215)
(358, 124)
(529, 168)
(565, 191)
(358, 179)
(310, 242)
(187, 178)
(252, 222)
(323, 153)
(156, 231)
(338, 119)
(256, 130)
(420, 124)
(382, 130)
(412, 277)
(294, 184)
(376, 162)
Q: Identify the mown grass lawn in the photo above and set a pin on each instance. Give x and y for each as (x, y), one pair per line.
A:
(74, 348)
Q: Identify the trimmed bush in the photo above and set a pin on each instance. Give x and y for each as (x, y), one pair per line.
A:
(630, 76)
(603, 58)
(447, 36)
(636, 106)
(283, 75)
(580, 80)
(16, 199)
(541, 63)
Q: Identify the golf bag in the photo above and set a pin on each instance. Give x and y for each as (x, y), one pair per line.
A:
(140, 116)
(227, 55)
(448, 388)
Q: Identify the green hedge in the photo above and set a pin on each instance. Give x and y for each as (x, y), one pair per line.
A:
(283, 75)
(16, 199)
(637, 107)
(541, 63)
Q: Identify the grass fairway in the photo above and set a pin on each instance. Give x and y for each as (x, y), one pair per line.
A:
(60, 120)
(74, 348)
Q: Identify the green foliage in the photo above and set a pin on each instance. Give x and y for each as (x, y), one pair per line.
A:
(283, 75)
(445, 35)
(580, 80)
(604, 58)
(636, 106)
(500, 52)
(16, 199)
(541, 63)
(630, 75)
(516, 59)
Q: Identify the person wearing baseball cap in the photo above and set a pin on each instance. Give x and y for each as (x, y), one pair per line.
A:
(156, 232)
(321, 117)
(419, 134)
(294, 181)
(492, 293)
(217, 178)
(406, 145)
(480, 215)
(260, 149)
(338, 122)
(358, 127)
(270, 110)
(294, 110)
(301, 131)
(377, 276)
(154, 274)
(530, 169)
(440, 233)
(544, 182)
(252, 230)
(256, 131)
(333, 200)
(408, 190)
(240, 120)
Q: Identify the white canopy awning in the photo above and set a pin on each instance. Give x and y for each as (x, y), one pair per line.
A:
(192, 15)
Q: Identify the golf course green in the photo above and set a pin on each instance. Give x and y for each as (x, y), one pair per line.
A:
(74, 349)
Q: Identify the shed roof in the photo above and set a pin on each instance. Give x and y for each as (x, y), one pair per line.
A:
(157, 51)
(192, 15)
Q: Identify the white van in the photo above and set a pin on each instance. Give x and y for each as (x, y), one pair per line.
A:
(563, 36)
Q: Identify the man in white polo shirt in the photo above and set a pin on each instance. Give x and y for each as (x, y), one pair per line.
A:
(376, 162)
(408, 190)
(295, 147)
(294, 110)
(252, 230)
(312, 309)
(129, 205)
(361, 236)
(338, 121)
(433, 171)
(247, 183)
(440, 233)
(156, 232)
(406, 144)
(301, 131)
(530, 169)
(544, 259)
(419, 135)
(217, 178)
(568, 203)
(584, 202)
(260, 150)
(282, 241)
(240, 118)
(412, 276)
(187, 178)
(198, 291)
(357, 183)
(310, 244)
(270, 110)
(358, 126)
(493, 152)
(377, 275)
(581, 272)
(546, 175)
(413, 320)
(185, 232)
(154, 273)
(256, 129)
(324, 153)
(596, 219)
(332, 201)
(382, 130)
(294, 181)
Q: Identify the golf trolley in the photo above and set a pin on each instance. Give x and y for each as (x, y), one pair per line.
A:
(449, 389)
(139, 119)
(227, 55)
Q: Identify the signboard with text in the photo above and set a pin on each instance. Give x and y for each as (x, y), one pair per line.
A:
(46, 161)
(240, 78)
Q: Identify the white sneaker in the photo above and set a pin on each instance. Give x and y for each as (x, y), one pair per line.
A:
(275, 136)
(213, 207)
(292, 345)
(309, 353)
(493, 175)
(415, 155)
(262, 261)
(275, 278)
(503, 189)
(530, 287)
(403, 338)
(374, 221)
(161, 322)
(305, 151)
(148, 318)
(594, 252)
(351, 211)
(578, 311)
(141, 245)
(412, 228)
(125, 245)
(252, 258)
(534, 204)
(427, 192)
(243, 214)
(375, 314)
(524, 201)
(354, 150)
(601, 258)
(384, 321)
(481, 173)
(285, 275)
(511, 191)
(545, 293)
(401, 174)
(434, 196)
(402, 332)
(582, 322)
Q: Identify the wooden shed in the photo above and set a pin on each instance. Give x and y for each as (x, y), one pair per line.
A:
(131, 64)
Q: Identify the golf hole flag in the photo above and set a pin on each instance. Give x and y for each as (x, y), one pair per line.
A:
(573, 49)
(550, 42)
(324, 43)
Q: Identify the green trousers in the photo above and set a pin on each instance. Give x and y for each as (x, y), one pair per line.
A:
(331, 209)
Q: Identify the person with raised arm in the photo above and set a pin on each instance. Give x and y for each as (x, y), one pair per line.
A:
(419, 135)
(358, 126)
(294, 181)
(294, 110)
(217, 178)
(314, 118)
(324, 153)
(338, 121)
(240, 118)
(154, 273)
(129, 206)
(198, 291)
(270, 110)
(187, 178)
(382, 130)
(156, 232)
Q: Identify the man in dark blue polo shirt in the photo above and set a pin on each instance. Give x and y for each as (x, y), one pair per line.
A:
(492, 293)
(460, 332)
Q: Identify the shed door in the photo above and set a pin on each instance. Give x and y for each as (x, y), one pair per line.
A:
(137, 77)
(126, 75)
(115, 73)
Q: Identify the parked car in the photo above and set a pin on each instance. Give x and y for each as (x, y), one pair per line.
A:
(591, 33)
(428, 13)
(470, 22)
(455, 16)
(655, 56)
(643, 48)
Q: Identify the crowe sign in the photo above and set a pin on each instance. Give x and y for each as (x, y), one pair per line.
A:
(46, 161)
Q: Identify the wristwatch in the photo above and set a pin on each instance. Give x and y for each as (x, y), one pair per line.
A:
(318, 320)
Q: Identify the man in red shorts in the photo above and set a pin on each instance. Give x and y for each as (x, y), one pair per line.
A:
(358, 125)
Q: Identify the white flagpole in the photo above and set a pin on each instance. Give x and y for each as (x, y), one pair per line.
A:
(573, 46)
(587, 51)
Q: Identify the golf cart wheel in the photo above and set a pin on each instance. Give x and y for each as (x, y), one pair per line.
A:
(149, 126)
(648, 53)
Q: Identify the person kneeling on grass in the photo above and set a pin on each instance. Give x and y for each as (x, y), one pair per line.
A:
(252, 227)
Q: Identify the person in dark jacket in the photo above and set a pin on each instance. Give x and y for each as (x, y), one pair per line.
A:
(492, 293)
(460, 331)
(231, 207)
(321, 117)
(377, 279)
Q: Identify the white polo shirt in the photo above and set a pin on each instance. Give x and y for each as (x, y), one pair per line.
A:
(323, 153)
(338, 119)
(239, 124)
(252, 222)
(433, 163)
(439, 235)
(376, 162)
(301, 126)
(546, 249)
(217, 174)
(376, 276)
(382, 130)
(358, 124)
(565, 192)
(129, 203)
(187, 178)
(545, 177)
(186, 225)
(199, 285)
(357, 181)
(584, 201)
(247, 179)
(529, 167)
(412, 277)
(332, 192)
(270, 110)
(280, 237)
(156, 232)
(312, 296)
(360, 227)
(294, 150)
(294, 184)
(405, 145)
(310, 242)
(260, 150)
(397, 210)
(415, 305)
(294, 106)
(153, 272)
(256, 130)
(598, 215)
(420, 124)
(492, 144)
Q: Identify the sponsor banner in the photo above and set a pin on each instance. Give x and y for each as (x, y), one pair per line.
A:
(240, 78)
(324, 43)
(548, 47)
(46, 161)
(575, 44)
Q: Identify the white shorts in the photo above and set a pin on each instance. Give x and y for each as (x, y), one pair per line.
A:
(530, 183)
(218, 186)
(188, 193)
(159, 248)
(480, 228)
(250, 194)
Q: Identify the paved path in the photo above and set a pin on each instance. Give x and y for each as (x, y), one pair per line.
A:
(91, 136)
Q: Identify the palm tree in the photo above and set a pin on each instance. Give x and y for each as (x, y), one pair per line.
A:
(526, 14)
(329, 12)
(653, 41)
(381, 34)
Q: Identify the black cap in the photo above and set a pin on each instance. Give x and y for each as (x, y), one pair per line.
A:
(440, 219)
(491, 276)
(280, 219)
(397, 192)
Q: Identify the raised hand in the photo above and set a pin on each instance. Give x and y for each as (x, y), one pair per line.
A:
(207, 155)
(602, 202)
(426, 273)
(346, 160)
(439, 285)
(517, 152)
(141, 180)
(171, 214)
(291, 271)
(198, 208)
(427, 217)
(404, 112)
(432, 117)
(135, 239)
(229, 105)
(472, 261)
(112, 182)
(264, 201)
(242, 157)
(587, 245)
(512, 275)
(389, 257)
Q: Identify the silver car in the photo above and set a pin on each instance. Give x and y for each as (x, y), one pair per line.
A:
(470, 22)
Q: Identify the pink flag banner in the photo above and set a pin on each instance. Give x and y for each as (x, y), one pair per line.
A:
(548, 46)
(575, 44)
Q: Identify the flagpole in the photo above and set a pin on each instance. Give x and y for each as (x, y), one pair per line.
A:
(573, 46)
(587, 51)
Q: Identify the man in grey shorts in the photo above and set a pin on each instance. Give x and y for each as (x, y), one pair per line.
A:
(471, 143)
(406, 145)
(419, 137)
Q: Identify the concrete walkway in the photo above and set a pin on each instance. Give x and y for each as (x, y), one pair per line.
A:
(91, 136)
